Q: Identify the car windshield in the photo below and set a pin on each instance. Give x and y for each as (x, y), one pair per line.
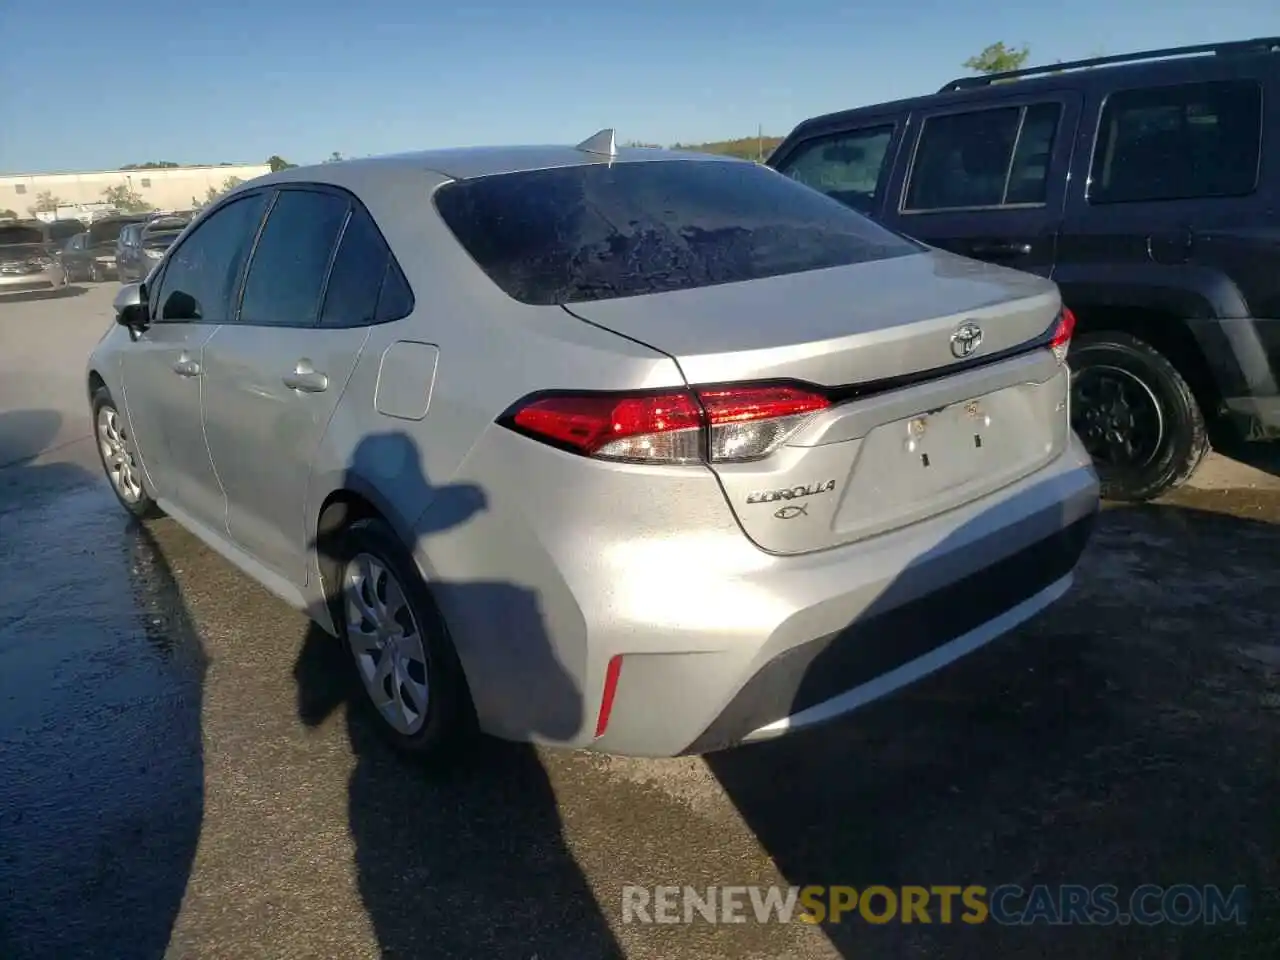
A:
(601, 231)
(12, 235)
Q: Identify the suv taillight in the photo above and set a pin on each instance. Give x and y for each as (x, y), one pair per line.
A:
(1060, 341)
(723, 424)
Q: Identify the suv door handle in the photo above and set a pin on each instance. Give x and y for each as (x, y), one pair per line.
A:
(1001, 249)
(187, 368)
(306, 378)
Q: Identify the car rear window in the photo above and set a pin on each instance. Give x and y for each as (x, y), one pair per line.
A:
(10, 236)
(603, 231)
(105, 230)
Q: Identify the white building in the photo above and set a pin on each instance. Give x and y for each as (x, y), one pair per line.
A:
(164, 188)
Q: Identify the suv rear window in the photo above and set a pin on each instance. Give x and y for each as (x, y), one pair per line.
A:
(1178, 142)
(603, 231)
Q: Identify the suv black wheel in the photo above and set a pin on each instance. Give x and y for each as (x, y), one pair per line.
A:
(1136, 415)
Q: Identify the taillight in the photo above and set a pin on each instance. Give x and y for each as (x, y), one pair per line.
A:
(1060, 341)
(720, 424)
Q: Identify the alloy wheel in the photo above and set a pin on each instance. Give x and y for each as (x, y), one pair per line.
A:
(122, 468)
(386, 641)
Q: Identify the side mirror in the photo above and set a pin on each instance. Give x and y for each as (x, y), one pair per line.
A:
(131, 308)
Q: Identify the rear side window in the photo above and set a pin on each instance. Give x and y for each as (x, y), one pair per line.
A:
(848, 167)
(602, 231)
(982, 159)
(1178, 142)
(351, 299)
(287, 273)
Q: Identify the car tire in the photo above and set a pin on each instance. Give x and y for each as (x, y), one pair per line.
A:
(119, 458)
(446, 719)
(1136, 414)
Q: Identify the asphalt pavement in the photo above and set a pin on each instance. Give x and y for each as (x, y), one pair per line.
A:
(180, 775)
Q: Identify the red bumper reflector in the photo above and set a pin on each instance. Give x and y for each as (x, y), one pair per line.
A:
(610, 688)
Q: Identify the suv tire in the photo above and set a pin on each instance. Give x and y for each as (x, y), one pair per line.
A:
(1136, 414)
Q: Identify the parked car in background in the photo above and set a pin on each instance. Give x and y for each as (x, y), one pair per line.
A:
(29, 258)
(142, 245)
(1140, 184)
(94, 257)
(712, 457)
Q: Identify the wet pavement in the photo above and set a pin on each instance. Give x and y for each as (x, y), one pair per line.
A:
(180, 776)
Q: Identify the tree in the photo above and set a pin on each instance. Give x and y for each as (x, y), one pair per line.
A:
(277, 163)
(151, 165)
(8, 214)
(125, 199)
(997, 58)
(46, 202)
(334, 157)
(213, 193)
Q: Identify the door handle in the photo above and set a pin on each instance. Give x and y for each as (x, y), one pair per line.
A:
(187, 368)
(306, 378)
(1001, 249)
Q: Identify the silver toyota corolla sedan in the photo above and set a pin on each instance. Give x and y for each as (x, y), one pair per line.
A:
(633, 450)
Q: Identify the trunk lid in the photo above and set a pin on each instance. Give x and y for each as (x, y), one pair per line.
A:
(917, 427)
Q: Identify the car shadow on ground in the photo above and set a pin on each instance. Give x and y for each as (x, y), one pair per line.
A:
(101, 681)
(1262, 455)
(1113, 740)
(65, 293)
(469, 860)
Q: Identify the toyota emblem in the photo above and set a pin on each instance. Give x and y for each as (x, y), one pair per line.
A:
(966, 339)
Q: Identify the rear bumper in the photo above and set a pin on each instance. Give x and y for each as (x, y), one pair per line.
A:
(832, 675)
(908, 606)
(576, 563)
(51, 279)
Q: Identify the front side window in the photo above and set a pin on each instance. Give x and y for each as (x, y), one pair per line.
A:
(1178, 142)
(203, 273)
(601, 231)
(291, 259)
(986, 158)
(848, 167)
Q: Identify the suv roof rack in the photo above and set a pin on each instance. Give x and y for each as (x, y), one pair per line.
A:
(1232, 48)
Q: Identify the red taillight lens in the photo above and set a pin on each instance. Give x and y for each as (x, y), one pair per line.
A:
(665, 427)
(725, 424)
(1060, 342)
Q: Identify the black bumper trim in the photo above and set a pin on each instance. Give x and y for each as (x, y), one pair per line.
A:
(821, 669)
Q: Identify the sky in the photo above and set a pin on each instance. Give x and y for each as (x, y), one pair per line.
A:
(88, 85)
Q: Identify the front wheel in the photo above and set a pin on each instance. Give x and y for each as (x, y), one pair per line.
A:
(119, 457)
(1135, 414)
(409, 671)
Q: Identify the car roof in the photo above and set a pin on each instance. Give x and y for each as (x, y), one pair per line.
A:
(1149, 67)
(464, 163)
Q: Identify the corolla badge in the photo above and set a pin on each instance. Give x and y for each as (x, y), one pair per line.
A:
(791, 493)
(965, 339)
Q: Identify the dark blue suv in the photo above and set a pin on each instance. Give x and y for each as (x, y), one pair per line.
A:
(1140, 183)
